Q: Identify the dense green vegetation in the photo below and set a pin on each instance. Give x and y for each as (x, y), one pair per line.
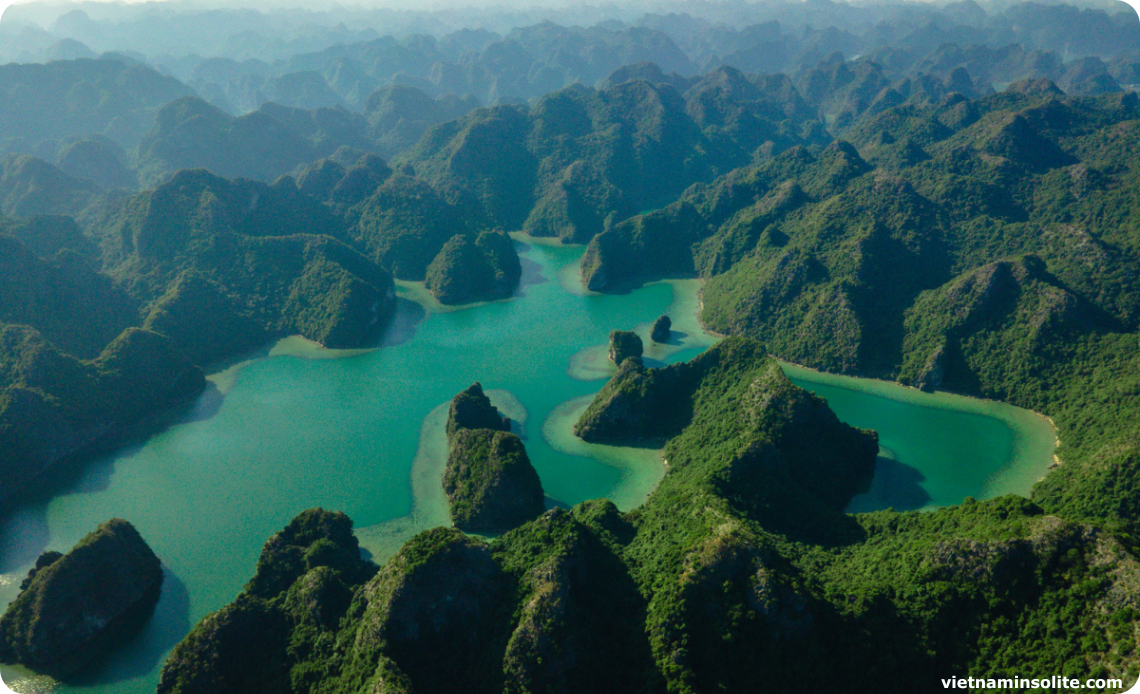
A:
(71, 604)
(282, 626)
(489, 481)
(979, 246)
(43, 104)
(624, 344)
(103, 330)
(890, 216)
(581, 159)
(739, 572)
(468, 269)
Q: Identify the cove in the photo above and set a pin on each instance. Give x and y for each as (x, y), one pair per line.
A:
(361, 431)
(935, 449)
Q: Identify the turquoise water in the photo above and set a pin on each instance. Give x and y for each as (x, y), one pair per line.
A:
(935, 449)
(362, 432)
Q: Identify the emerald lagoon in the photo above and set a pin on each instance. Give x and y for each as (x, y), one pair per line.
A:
(362, 431)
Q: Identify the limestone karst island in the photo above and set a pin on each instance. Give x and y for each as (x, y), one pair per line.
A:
(547, 347)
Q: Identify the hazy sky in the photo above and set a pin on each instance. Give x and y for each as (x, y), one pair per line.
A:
(429, 5)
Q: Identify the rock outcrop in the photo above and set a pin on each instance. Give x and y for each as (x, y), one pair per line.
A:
(489, 481)
(661, 329)
(782, 437)
(623, 345)
(72, 605)
(466, 269)
(305, 582)
(442, 593)
(471, 409)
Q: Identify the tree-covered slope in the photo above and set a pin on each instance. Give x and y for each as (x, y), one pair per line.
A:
(984, 246)
(75, 98)
(254, 252)
(579, 159)
(190, 133)
(740, 572)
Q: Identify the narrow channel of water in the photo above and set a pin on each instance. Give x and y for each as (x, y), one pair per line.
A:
(362, 432)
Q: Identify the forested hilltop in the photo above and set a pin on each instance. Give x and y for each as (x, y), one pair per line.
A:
(941, 196)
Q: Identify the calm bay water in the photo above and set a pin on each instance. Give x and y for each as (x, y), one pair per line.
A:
(362, 432)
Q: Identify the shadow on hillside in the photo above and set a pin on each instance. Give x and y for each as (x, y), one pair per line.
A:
(144, 640)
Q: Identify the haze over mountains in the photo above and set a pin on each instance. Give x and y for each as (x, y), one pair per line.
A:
(945, 196)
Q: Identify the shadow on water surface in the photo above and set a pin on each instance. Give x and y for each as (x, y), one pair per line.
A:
(531, 275)
(205, 407)
(550, 502)
(896, 485)
(91, 470)
(145, 639)
(24, 535)
(518, 429)
(402, 327)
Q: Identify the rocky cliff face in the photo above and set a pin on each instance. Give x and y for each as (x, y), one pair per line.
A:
(72, 604)
(471, 409)
(489, 481)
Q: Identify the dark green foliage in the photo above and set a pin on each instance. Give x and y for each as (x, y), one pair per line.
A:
(1000, 262)
(207, 267)
(398, 618)
(579, 625)
(179, 315)
(250, 250)
(624, 345)
(662, 327)
(985, 245)
(739, 573)
(405, 223)
(398, 115)
(467, 270)
(73, 98)
(189, 133)
(53, 405)
(314, 538)
(47, 235)
(287, 614)
(581, 159)
(46, 559)
(99, 160)
(489, 481)
(30, 186)
(79, 310)
(776, 449)
(472, 409)
(344, 179)
(71, 603)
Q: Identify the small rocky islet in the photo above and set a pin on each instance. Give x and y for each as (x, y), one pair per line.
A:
(489, 481)
(72, 606)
